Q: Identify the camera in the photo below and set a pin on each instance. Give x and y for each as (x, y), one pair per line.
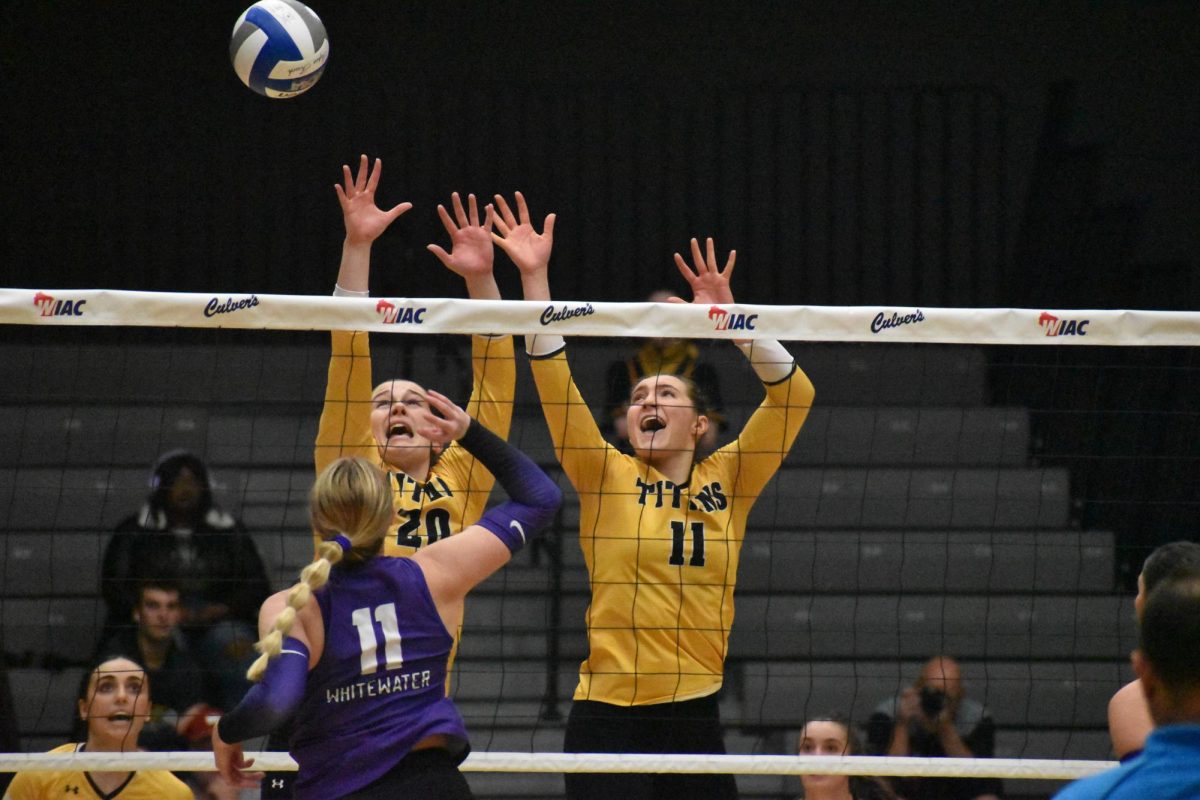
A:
(932, 701)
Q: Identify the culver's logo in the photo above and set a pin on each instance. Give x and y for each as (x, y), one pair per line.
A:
(882, 322)
(1053, 326)
(550, 316)
(393, 314)
(215, 306)
(727, 321)
(53, 307)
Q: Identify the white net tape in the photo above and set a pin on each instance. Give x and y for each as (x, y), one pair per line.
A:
(1012, 326)
(1046, 769)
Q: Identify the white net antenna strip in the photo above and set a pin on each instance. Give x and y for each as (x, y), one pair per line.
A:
(1045, 769)
(1010, 326)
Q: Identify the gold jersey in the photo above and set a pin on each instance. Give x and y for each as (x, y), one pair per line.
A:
(456, 491)
(148, 784)
(662, 558)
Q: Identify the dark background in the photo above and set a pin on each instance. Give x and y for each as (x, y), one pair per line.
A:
(945, 153)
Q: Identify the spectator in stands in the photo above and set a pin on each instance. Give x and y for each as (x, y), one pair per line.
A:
(178, 712)
(833, 736)
(1167, 663)
(113, 703)
(1129, 720)
(182, 536)
(666, 357)
(933, 718)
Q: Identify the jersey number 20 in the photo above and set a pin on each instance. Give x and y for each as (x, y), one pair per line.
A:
(385, 615)
(437, 526)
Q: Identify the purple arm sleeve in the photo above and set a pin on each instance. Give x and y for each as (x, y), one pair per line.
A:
(273, 699)
(534, 497)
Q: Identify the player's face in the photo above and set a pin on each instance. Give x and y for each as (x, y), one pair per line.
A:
(824, 738)
(117, 704)
(662, 418)
(398, 408)
(157, 613)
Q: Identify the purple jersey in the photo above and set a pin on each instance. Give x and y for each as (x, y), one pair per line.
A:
(380, 686)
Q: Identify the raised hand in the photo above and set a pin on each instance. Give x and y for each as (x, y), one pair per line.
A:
(528, 249)
(452, 423)
(364, 220)
(470, 243)
(709, 284)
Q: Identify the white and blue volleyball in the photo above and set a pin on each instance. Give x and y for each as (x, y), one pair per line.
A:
(279, 48)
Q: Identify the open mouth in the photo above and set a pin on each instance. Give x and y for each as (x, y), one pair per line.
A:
(120, 717)
(652, 425)
(400, 429)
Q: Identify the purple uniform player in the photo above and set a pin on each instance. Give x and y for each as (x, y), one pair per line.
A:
(363, 669)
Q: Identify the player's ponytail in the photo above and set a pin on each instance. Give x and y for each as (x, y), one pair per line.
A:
(350, 507)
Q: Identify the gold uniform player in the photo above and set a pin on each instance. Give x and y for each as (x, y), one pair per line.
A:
(438, 492)
(114, 703)
(661, 535)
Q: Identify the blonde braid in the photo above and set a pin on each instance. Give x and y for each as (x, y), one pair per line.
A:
(351, 505)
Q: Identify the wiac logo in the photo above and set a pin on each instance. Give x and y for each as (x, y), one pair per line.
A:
(400, 315)
(53, 307)
(724, 320)
(1053, 326)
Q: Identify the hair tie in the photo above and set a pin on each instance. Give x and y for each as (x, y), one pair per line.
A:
(343, 542)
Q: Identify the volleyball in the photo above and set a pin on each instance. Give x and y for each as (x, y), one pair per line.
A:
(279, 48)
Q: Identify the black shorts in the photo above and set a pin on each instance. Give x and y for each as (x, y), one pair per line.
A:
(428, 774)
(691, 726)
(431, 774)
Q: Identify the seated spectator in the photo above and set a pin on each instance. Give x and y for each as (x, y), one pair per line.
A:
(933, 718)
(669, 357)
(1167, 663)
(833, 736)
(180, 535)
(113, 704)
(177, 715)
(1129, 721)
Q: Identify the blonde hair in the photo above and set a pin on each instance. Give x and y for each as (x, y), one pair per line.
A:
(352, 501)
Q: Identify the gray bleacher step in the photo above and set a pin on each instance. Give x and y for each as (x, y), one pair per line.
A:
(44, 700)
(63, 629)
(923, 561)
(50, 563)
(917, 625)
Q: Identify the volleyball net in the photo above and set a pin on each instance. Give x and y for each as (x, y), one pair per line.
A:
(978, 483)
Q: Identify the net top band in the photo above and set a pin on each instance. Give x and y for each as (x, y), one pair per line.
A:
(876, 324)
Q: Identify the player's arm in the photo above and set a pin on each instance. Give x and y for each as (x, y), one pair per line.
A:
(453, 566)
(345, 428)
(577, 441)
(275, 697)
(493, 369)
(773, 427)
